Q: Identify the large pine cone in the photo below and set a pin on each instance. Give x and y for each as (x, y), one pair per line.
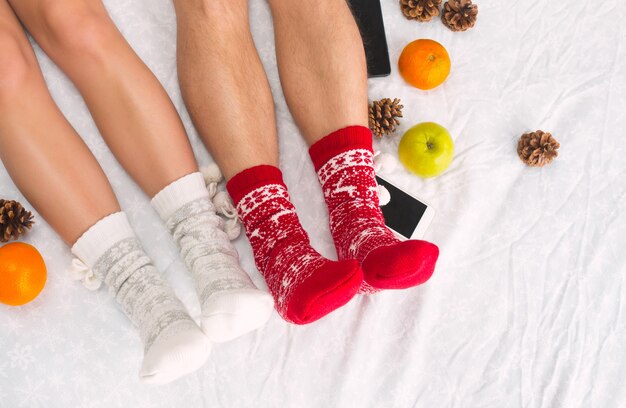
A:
(14, 220)
(420, 10)
(383, 116)
(459, 15)
(538, 148)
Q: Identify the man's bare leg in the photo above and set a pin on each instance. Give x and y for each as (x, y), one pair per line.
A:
(228, 96)
(322, 67)
(224, 84)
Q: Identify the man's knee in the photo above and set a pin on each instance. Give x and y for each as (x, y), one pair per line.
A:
(18, 64)
(77, 27)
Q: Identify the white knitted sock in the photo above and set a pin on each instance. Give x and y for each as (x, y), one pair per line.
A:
(173, 344)
(231, 304)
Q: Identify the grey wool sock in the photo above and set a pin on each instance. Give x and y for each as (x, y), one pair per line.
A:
(173, 343)
(231, 304)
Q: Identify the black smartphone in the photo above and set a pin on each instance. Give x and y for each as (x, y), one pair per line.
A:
(407, 216)
(369, 18)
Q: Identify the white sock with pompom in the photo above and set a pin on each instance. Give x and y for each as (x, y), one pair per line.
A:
(231, 304)
(174, 345)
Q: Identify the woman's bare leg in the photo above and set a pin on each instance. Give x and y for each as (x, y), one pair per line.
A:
(43, 154)
(130, 107)
(59, 176)
(140, 124)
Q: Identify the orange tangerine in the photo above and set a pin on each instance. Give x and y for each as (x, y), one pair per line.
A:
(22, 273)
(425, 64)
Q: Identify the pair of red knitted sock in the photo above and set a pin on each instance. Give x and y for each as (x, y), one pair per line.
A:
(305, 285)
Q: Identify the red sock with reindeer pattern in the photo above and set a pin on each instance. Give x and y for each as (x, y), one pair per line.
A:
(345, 167)
(305, 285)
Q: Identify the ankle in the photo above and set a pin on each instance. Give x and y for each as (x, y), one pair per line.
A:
(338, 142)
(252, 178)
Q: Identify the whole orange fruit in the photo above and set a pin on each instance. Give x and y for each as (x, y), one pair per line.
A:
(425, 64)
(22, 273)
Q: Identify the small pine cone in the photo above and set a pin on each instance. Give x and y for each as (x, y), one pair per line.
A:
(420, 10)
(14, 220)
(537, 149)
(459, 15)
(383, 116)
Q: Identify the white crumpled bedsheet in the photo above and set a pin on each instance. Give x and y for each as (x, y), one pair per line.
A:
(527, 307)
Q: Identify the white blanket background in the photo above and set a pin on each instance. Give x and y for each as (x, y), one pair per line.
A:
(527, 307)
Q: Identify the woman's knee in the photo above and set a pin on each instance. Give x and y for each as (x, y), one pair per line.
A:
(19, 63)
(76, 26)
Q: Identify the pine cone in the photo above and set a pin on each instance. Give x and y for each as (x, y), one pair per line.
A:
(420, 10)
(459, 15)
(538, 148)
(14, 220)
(383, 116)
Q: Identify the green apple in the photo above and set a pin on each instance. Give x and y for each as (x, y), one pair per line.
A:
(426, 149)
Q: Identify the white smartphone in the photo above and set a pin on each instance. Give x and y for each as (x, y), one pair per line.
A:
(407, 216)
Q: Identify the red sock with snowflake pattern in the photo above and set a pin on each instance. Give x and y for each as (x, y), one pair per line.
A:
(305, 285)
(345, 167)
